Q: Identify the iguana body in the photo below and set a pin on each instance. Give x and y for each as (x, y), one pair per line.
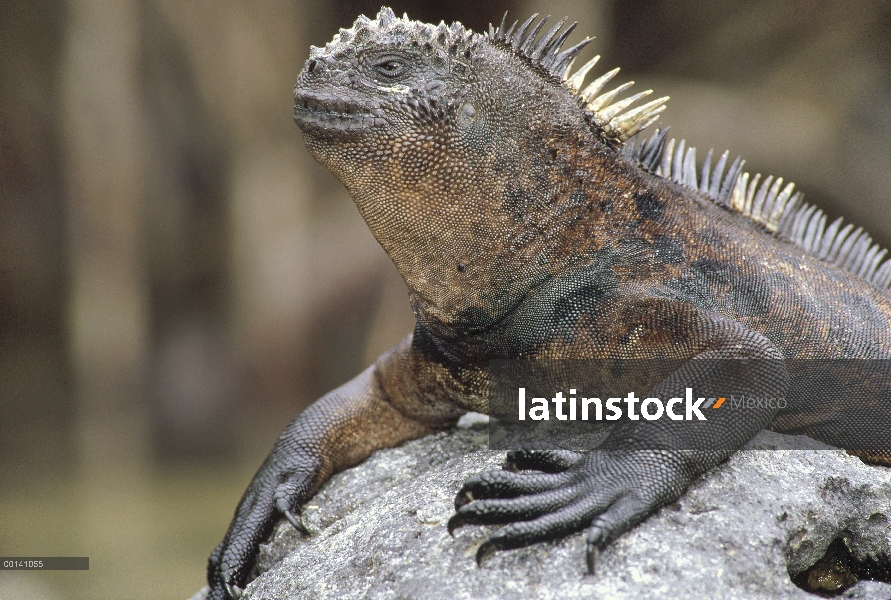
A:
(524, 228)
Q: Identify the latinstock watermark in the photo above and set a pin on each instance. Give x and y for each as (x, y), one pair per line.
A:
(687, 404)
(592, 409)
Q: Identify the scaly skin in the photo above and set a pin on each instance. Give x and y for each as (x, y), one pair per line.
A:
(523, 232)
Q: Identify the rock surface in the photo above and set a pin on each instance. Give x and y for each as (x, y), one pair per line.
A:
(379, 531)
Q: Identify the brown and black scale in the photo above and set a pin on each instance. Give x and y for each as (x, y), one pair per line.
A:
(522, 232)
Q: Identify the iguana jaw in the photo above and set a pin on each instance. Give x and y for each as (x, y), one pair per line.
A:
(316, 115)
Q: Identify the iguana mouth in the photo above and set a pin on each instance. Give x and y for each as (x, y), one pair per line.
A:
(317, 114)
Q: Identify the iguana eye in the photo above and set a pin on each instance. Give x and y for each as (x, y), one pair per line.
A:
(390, 67)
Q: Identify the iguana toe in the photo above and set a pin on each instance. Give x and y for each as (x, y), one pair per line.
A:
(490, 511)
(541, 456)
(542, 529)
(506, 484)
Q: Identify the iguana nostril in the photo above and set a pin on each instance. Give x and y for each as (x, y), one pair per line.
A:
(312, 66)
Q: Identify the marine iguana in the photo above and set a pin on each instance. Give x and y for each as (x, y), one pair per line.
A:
(529, 221)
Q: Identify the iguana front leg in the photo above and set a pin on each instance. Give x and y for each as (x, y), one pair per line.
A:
(640, 467)
(339, 430)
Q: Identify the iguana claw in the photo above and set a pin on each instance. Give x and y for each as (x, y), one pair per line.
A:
(485, 551)
(295, 519)
(591, 556)
(454, 523)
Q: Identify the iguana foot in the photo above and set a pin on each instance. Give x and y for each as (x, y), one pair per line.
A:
(274, 492)
(608, 492)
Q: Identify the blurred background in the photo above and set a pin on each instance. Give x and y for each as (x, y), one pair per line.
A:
(178, 278)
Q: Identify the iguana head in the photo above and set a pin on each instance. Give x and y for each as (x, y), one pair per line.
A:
(462, 151)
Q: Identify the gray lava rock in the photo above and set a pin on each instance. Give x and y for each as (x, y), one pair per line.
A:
(379, 531)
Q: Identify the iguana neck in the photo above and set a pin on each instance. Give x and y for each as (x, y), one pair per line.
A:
(497, 222)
